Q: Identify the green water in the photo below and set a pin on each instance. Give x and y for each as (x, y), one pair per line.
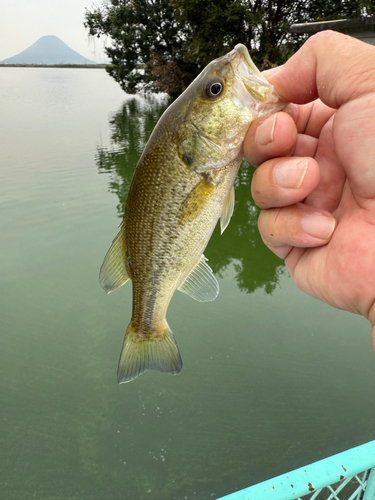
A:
(272, 379)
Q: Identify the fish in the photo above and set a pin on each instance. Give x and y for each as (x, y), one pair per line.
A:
(182, 185)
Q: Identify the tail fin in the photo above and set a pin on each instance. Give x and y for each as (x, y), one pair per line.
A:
(152, 353)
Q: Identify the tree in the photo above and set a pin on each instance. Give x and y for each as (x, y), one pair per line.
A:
(161, 45)
(146, 44)
(321, 10)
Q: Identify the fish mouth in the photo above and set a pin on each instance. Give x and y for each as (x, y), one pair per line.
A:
(255, 83)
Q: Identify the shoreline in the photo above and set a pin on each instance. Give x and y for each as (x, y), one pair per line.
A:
(90, 66)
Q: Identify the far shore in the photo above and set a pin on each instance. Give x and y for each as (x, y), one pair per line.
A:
(91, 66)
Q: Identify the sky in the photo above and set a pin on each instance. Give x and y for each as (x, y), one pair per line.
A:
(22, 22)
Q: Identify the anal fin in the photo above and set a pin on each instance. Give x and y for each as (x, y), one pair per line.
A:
(201, 283)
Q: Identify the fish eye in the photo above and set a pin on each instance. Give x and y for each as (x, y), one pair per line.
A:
(214, 88)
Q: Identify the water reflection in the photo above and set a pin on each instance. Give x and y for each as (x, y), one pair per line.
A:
(240, 245)
(130, 129)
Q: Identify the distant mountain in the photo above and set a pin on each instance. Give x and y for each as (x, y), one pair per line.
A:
(48, 49)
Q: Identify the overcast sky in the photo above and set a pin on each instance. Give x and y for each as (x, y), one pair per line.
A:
(22, 22)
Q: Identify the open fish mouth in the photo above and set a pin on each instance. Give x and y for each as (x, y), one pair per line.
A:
(253, 80)
(251, 96)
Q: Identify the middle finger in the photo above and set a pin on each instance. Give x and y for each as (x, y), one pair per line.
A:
(284, 181)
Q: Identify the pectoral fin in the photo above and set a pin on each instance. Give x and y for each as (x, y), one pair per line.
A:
(227, 210)
(113, 273)
(201, 284)
(194, 203)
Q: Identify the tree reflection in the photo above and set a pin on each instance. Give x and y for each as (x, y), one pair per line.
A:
(130, 129)
(240, 245)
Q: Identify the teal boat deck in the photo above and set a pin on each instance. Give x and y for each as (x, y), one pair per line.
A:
(349, 475)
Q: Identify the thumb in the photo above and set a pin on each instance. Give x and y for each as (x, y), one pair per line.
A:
(353, 134)
(332, 66)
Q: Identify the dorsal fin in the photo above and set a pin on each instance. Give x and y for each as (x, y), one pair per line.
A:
(201, 284)
(113, 273)
(227, 210)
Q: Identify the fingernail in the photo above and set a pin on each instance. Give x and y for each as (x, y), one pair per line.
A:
(290, 173)
(318, 225)
(264, 133)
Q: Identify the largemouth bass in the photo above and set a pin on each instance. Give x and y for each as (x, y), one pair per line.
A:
(183, 183)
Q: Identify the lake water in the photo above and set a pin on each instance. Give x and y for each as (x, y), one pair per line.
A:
(272, 378)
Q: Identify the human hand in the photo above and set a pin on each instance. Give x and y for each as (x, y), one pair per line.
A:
(315, 179)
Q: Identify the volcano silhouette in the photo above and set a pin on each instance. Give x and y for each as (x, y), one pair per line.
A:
(48, 49)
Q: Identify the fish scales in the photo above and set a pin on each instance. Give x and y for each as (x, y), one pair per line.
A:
(182, 185)
(170, 243)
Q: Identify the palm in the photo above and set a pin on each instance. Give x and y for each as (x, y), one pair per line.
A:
(342, 272)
